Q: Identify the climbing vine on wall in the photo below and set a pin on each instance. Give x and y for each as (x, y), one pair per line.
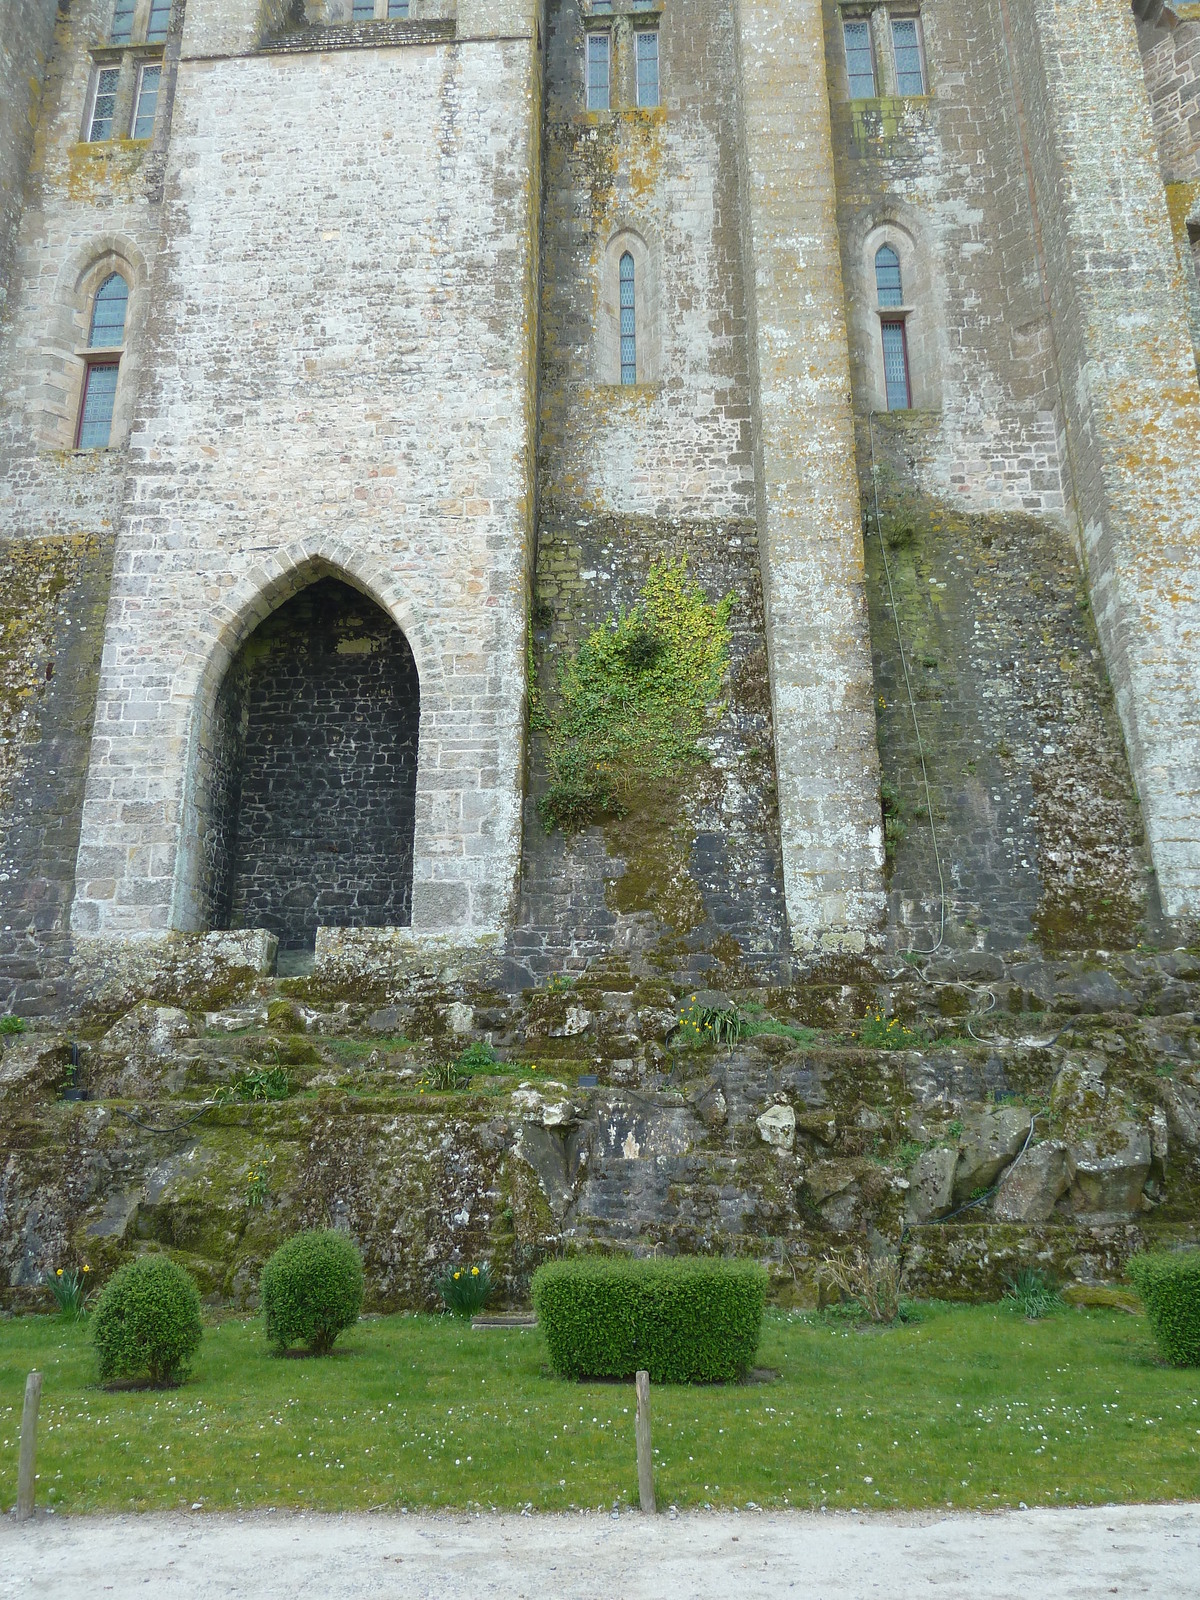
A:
(630, 706)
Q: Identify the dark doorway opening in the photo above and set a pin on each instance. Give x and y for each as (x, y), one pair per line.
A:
(312, 772)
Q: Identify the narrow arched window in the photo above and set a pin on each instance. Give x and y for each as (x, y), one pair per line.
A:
(628, 322)
(887, 277)
(889, 289)
(106, 336)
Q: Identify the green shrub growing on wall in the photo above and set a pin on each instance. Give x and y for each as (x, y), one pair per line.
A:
(631, 705)
(683, 1320)
(311, 1290)
(146, 1324)
(1169, 1286)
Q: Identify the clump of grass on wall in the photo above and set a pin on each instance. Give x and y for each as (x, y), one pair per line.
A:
(630, 706)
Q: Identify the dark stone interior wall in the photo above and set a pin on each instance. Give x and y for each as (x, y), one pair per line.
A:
(315, 766)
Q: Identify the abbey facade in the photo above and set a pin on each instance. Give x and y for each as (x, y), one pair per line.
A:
(359, 359)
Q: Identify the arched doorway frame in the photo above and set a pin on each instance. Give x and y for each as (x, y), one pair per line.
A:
(259, 592)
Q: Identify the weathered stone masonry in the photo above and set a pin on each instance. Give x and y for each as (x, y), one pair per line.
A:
(373, 340)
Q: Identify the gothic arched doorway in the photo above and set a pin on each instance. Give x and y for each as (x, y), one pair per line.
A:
(312, 772)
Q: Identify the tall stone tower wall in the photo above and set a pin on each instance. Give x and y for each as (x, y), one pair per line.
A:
(339, 350)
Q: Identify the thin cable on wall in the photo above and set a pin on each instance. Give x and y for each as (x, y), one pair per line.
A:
(912, 704)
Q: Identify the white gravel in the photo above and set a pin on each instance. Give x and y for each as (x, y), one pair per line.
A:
(1025, 1555)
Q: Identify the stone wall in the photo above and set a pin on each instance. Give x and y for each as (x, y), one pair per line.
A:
(26, 35)
(1036, 824)
(1171, 63)
(808, 522)
(337, 389)
(689, 881)
(1130, 397)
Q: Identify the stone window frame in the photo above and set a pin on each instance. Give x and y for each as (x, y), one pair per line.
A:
(623, 20)
(128, 60)
(918, 314)
(139, 32)
(66, 354)
(340, 13)
(879, 15)
(647, 306)
(594, 31)
(96, 356)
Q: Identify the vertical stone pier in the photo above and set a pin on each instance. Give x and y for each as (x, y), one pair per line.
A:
(810, 532)
(1130, 394)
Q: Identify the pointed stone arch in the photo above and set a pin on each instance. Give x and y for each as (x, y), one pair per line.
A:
(203, 897)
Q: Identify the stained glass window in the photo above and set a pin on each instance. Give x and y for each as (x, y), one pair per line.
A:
(108, 313)
(147, 102)
(104, 104)
(906, 44)
(598, 52)
(628, 322)
(895, 366)
(99, 395)
(647, 67)
(860, 59)
(888, 284)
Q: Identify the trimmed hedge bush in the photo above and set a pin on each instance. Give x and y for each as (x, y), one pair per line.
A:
(147, 1322)
(1169, 1285)
(311, 1290)
(688, 1319)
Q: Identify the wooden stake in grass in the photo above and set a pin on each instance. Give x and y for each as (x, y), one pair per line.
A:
(28, 1458)
(644, 1459)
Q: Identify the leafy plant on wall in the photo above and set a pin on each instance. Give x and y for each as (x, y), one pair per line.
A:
(630, 707)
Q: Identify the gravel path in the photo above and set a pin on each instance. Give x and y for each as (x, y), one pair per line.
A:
(1048, 1555)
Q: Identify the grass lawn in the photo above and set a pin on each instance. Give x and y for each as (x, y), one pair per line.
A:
(971, 1406)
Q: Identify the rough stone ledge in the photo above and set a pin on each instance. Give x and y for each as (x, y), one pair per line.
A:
(360, 36)
(108, 972)
(391, 958)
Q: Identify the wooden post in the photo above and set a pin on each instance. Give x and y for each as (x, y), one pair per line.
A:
(645, 1460)
(28, 1460)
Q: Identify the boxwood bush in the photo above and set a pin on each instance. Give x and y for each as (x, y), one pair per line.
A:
(311, 1289)
(1169, 1285)
(690, 1319)
(146, 1324)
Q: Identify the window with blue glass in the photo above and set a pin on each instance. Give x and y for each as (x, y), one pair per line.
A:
(104, 104)
(628, 321)
(888, 284)
(160, 20)
(121, 31)
(106, 333)
(889, 289)
(599, 70)
(146, 102)
(909, 55)
(646, 40)
(860, 58)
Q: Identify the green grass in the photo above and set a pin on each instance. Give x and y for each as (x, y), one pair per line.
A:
(970, 1406)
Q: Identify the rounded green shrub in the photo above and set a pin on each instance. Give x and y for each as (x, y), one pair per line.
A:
(1169, 1285)
(689, 1319)
(147, 1322)
(311, 1290)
